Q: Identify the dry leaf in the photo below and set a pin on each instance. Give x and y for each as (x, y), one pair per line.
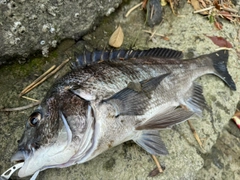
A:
(166, 38)
(154, 13)
(163, 2)
(220, 41)
(227, 15)
(203, 3)
(116, 39)
(144, 4)
(196, 6)
(154, 172)
(174, 5)
(218, 25)
(215, 3)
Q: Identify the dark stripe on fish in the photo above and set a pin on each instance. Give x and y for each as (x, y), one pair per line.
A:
(89, 58)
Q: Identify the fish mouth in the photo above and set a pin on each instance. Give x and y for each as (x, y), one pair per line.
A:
(19, 156)
(54, 155)
(38, 159)
(43, 158)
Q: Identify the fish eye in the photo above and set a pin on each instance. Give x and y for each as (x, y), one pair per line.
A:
(34, 118)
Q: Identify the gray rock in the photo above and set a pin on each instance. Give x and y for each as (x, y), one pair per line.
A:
(28, 27)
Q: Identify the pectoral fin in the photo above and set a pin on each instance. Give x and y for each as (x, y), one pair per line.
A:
(151, 142)
(132, 101)
(166, 119)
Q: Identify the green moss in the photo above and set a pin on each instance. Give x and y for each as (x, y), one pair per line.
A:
(36, 65)
(108, 165)
(22, 70)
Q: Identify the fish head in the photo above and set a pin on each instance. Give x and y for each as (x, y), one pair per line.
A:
(53, 135)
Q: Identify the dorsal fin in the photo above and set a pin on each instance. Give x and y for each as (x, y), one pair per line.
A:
(88, 58)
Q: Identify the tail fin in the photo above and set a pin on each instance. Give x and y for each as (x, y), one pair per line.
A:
(220, 59)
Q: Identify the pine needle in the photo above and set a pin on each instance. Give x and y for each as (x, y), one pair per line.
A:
(157, 163)
(195, 134)
(132, 9)
(43, 77)
(20, 108)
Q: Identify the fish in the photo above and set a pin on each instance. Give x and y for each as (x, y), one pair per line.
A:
(110, 97)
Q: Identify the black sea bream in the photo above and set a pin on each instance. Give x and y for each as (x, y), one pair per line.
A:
(112, 97)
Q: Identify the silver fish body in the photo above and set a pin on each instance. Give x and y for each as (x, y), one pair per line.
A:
(103, 104)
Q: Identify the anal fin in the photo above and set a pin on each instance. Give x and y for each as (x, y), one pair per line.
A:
(166, 119)
(151, 142)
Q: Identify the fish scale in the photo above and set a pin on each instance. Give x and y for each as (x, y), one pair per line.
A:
(117, 77)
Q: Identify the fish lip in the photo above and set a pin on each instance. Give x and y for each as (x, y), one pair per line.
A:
(19, 156)
(22, 156)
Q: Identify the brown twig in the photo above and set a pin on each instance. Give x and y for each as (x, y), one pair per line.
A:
(132, 9)
(33, 85)
(153, 33)
(234, 15)
(229, 9)
(205, 9)
(20, 108)
(195, 134)
(157, 163)
(144, 4)
(224, 48)
(37, 80)
(31, 99)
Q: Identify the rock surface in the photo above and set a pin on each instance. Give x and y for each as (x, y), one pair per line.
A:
(219, 158)
(31, 26)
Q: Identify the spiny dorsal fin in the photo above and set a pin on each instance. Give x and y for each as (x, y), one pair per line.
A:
(88, 58)
(130, 101)
(151, 142)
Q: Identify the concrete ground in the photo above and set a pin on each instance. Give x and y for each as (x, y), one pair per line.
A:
(220, 156)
